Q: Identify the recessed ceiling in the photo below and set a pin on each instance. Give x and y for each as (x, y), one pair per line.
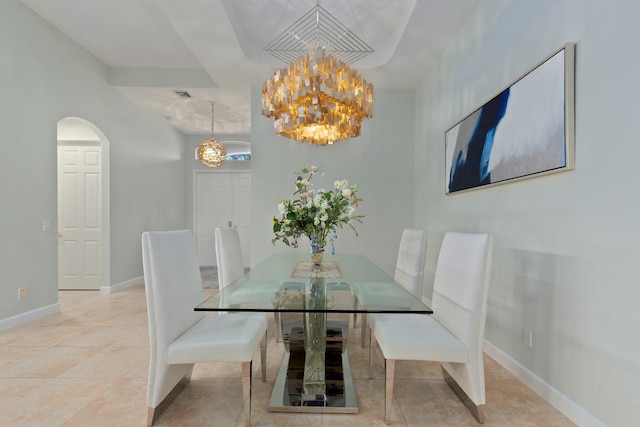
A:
(213, 49)
(379, 23)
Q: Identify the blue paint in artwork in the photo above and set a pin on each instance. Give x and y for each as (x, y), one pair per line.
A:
(486, 155)
(473, 170)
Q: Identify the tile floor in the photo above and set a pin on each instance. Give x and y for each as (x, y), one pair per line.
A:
(87, 366)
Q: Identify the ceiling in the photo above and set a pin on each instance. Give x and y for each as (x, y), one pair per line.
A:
(213, 49)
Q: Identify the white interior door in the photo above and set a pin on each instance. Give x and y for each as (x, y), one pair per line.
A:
(213, 208)
(221, 199)
(79, 216)
(242, 212)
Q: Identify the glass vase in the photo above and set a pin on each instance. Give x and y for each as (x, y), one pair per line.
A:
(317, 254)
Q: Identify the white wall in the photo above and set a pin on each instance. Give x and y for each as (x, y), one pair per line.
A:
(566, 245)
(379, 162)
(46, 77)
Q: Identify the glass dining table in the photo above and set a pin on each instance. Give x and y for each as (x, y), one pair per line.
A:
(311, 305)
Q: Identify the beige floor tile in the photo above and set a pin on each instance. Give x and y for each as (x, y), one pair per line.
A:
(62, 318)
(13, 390)
(9, 335)
(53, 404)
(88, 366)
(510, 403)
(99, 336)
(139, 366)
(109, 362)
(45, 336)
(11, 356)
(136, 336)
(50, 363)
(205, 403)
(122, 404)
(431, 403)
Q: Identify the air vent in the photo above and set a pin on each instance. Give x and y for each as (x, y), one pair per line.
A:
(182, 93)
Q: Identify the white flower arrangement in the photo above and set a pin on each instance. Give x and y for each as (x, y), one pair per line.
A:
(316, 214)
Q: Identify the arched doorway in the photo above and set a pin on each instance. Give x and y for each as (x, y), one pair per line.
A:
(83, 205)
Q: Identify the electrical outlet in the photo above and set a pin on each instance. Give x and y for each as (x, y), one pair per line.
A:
(527, 337)
(22, 293)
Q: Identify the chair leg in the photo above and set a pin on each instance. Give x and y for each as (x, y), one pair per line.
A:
(153, 413)
(365, 326)
(246, 392)
(263, 356)
(372, 349)
(355, 313)
(150, 412)
(276, 318)
(476, 410)
(390, 367)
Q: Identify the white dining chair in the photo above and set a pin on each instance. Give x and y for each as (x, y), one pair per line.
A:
(231, 264)
(409, 273)
(180, 336)
(454, 334)
(228, 255)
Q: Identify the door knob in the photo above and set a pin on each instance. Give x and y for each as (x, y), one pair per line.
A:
(59, 234)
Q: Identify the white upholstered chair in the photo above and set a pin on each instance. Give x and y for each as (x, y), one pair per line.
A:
(230, 263)
(180, 336)
(454, 334)
(409, 273)
(228, 255)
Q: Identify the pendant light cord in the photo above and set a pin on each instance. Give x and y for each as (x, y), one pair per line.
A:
(212, 116)
(280, 20)
(355, 18)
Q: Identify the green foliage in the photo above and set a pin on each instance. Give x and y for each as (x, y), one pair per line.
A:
(316, 214)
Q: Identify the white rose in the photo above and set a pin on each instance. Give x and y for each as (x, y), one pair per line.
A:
(346, 193)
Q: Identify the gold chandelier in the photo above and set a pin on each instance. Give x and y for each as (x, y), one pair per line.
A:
(211, 152)
(318, 98)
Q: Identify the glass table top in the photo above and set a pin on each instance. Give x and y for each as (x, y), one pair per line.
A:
(291, 283)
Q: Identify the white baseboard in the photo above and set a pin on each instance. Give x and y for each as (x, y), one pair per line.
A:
(29, 316)
(562, 403)
(121, 286)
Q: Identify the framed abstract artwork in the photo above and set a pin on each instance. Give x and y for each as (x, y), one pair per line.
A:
(526, 130)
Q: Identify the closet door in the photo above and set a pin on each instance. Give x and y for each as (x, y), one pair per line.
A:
(221, 199)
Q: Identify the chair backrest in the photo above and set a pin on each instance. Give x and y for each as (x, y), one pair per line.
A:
(172, 285)
(228, 255)
(411, 260)
(461, 286)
